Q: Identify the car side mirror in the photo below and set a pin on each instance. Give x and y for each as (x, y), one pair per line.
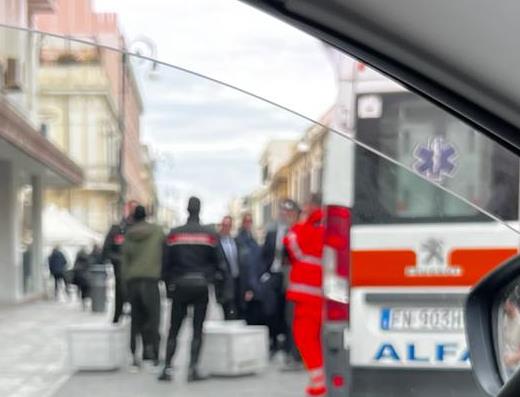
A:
(493, 330)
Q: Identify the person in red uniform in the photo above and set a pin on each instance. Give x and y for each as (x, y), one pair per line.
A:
(304, 244)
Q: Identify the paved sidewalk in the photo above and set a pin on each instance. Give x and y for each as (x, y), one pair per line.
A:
(122, 383)
(33, 359)
(144, 384)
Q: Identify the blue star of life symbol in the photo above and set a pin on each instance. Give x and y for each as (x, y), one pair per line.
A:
(436, 160)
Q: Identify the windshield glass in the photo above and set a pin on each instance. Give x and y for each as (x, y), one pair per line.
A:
(439, 147)
(167, 232)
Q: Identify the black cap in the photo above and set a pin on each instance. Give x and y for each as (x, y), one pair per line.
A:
(194, 205)
(289, 205)
(139, 213)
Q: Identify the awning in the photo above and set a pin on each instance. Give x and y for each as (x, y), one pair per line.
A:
(34, 149)
(60, 227)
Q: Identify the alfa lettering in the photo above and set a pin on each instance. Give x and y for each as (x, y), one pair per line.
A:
(412, 356)
(442, 351)
(387, 351)
(438, 353)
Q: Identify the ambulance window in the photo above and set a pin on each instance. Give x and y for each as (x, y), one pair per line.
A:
(439, 148)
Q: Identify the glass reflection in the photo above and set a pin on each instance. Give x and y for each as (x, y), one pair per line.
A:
(508, 328)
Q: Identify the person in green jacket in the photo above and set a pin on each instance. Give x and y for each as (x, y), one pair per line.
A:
(141, 272)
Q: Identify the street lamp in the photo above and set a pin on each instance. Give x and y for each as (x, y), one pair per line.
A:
(144, 50)
(122, 128)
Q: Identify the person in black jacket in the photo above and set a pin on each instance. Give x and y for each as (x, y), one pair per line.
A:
(81, 275)
(112, 252)
(230, 290)
(190, 263)
(250, 258)
(58, 267)
(96, 257)
(272, 280)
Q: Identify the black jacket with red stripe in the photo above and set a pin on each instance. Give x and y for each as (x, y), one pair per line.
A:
(191, 249)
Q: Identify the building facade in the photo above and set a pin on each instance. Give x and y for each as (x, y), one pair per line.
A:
(91, 107)
(80, 117)
(290, 169)
(304, 170)
(265, 200)
(29, 163)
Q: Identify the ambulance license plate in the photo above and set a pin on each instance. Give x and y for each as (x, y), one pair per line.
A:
(441, 319)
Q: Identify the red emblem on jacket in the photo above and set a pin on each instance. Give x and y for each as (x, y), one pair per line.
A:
(119, 239)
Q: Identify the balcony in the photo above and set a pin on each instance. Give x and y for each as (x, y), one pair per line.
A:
(87, 55)
(41, 6)
(101, 177)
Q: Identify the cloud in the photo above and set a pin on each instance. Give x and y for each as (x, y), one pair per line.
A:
(207, 138)
(237, 44)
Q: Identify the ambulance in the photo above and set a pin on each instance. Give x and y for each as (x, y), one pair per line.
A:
(408, 190)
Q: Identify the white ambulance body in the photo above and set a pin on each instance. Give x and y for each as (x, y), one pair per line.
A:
(401, 253)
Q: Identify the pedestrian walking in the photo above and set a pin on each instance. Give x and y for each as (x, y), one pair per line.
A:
(190, 263)
(141, 272)
(80, 275)
(273, 279)
(58, 267)
(250, 258)
(230, 290)
(96, 256)
(112, 248)
(304, 244)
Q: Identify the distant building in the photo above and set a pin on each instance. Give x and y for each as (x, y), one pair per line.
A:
(290, 169)
(91, 108)
(304, 170)
(276, 154)
(29, 162)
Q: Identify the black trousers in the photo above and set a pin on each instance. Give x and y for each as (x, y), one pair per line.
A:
(290, 347)
(182, 298)
(119, 299)
(145, 298)
(82, 281)
(233, 309)
(276, 319)
(254, 313)
(58, 278)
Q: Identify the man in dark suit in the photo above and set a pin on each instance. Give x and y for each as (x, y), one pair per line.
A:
(231, 294)
(273, 278)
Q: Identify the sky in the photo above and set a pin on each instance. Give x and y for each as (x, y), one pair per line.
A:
(207, 138)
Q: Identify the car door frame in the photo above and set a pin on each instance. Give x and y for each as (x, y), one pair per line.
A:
(476, 116)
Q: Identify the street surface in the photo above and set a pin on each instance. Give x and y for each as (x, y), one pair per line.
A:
(34, 361)
(144, 384)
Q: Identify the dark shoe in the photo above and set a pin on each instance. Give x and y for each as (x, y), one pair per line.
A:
(166, 375)
(195, 376)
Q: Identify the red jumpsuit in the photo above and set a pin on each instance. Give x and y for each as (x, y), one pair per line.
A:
(304, 244)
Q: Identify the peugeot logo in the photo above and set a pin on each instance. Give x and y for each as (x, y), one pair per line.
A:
(433, 251)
